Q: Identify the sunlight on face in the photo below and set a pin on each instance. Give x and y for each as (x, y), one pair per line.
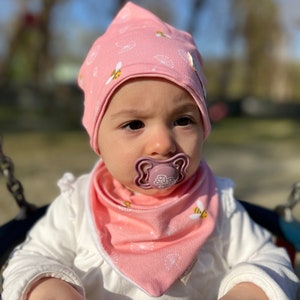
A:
(149, 118)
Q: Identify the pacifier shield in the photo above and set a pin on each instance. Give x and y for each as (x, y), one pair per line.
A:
(161, 174)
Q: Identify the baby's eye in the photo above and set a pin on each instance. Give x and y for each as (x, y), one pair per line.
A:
(134, 125)
(183, 121)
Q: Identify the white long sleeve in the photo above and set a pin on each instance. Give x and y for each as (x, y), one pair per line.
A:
(251, 255)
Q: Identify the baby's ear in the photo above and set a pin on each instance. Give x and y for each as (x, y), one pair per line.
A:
(98, 151)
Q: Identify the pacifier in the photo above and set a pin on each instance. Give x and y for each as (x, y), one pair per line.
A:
(161, 174)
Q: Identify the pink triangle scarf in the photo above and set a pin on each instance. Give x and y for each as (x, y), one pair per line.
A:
(153, 241)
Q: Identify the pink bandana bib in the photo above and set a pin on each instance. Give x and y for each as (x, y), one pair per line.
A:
(152, 241)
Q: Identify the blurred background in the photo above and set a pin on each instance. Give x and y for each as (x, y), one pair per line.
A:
(251, 52)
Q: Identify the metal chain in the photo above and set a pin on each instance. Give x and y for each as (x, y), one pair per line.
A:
(13, 185)
(294, 197)
(286, 210)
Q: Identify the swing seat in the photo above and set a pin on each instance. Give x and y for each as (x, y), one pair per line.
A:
(286, 234)
(14, 232)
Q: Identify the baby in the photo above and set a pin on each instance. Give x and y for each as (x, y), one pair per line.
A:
(150, 220)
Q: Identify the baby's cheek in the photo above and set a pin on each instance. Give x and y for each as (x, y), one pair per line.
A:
(194, 165)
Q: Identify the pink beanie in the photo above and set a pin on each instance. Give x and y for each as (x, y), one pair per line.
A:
(138, 44)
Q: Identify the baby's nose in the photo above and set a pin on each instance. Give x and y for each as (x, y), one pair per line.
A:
(161, 142)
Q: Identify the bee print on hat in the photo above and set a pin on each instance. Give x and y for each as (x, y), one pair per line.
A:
(116, 73)
(161, 34)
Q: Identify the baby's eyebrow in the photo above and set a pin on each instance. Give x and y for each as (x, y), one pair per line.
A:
(186, 107)
(129, 113)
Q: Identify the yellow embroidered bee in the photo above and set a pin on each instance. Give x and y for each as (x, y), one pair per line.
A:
(161, 34)
(127, 204)
(199, 211)
(116, 73)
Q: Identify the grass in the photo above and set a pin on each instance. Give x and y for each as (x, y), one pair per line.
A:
(247, 130)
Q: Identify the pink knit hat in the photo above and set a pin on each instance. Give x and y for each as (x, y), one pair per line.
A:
(138, 44)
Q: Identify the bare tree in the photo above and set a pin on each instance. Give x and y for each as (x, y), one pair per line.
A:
(258, 23)
(196, 7)
(28, 57)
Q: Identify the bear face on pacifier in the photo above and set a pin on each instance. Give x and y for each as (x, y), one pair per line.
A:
(161, 174)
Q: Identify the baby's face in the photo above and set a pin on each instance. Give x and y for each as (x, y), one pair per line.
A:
(151, 118)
